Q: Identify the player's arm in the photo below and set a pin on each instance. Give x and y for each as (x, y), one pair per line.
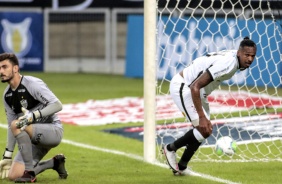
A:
(50, 109)
(205, 127)
(30, 116)
(6, 162)
(43, 94)
(11, 116)
(39, 90)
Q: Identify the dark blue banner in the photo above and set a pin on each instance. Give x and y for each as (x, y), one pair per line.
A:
(22, 34)
(239, 130)
(83, 4)
(180, 41)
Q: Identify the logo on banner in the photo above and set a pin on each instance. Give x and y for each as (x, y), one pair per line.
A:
(81, 6)
(16, 37)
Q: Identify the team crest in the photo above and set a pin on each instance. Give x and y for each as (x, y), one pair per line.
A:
(16, 37)
(24, 103)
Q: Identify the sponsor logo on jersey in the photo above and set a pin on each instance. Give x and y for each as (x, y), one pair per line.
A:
(219, 73)
(9, 94)
(21, 90)
(44, 99)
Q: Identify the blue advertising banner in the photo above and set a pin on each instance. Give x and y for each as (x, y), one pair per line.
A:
(182, 40)
(22, 34)
(134, 48)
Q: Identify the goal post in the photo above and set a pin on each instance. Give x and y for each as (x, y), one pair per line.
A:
(149, 80)
(247, 107)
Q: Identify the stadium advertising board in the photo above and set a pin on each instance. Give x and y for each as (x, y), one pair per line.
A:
(83, 4)
(73, 4)
(181, 42)
(22, 34)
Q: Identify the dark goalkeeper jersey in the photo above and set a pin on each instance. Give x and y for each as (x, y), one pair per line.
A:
(32, 94)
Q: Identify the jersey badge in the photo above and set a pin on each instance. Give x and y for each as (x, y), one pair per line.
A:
(24, 103)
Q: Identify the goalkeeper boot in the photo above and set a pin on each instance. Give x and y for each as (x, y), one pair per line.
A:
(171, 158)
(59, 166)
(27, 177)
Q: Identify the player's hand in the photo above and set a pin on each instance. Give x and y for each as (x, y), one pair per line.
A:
(5, 163)
(26, 119)
(205, 127)
(5, 166)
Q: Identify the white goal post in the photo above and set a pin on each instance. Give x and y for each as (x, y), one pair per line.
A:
(246, 107)
(149, 80)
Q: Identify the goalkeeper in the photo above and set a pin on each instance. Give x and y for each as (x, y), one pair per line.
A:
(189, 90)
(32, 123)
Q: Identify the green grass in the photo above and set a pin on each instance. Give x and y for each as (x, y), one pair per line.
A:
(92, 166)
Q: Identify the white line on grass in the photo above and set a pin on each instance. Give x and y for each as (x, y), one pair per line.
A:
(136, 157)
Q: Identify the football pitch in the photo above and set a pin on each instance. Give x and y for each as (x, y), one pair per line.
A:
(94, 156)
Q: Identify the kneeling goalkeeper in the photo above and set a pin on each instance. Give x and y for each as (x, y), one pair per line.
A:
(33, 124)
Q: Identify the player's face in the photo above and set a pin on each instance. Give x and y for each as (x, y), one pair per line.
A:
(246, 56)
(6, 71)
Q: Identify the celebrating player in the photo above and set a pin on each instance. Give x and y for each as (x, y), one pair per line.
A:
(189, 90)
(32, 123)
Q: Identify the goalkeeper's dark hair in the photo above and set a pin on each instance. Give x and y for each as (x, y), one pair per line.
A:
(247, 42)
(11, 57)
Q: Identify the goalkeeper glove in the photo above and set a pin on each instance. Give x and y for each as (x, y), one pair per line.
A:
(5, 164)
(26, 119)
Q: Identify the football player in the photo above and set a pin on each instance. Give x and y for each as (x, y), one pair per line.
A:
(189, 90)
(33, 124)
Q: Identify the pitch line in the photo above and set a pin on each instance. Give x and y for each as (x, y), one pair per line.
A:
(136, 157)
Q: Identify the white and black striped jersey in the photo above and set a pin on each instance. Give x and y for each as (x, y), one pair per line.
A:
(221, 66)
(32, 94)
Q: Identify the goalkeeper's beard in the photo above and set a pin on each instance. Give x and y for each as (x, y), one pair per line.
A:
(8, 79)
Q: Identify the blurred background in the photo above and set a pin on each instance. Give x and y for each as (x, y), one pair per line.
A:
(67, 36)
(80, 35)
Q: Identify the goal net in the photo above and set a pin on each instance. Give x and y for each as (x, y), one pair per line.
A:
(248, 106)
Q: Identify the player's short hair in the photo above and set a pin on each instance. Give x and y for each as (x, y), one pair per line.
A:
(11, 57)
(247, 42)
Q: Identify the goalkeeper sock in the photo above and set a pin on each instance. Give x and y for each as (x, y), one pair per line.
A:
(25, 148)
(43, 165)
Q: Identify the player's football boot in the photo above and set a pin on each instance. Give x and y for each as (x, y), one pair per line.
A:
(27, 177)
(171, 158)
(59, 166)
(184, 172)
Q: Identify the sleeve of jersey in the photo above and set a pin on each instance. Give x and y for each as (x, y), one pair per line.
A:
(42, 93)
(10, 114)
(51, 109)
(220, 68)
(11, 140)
